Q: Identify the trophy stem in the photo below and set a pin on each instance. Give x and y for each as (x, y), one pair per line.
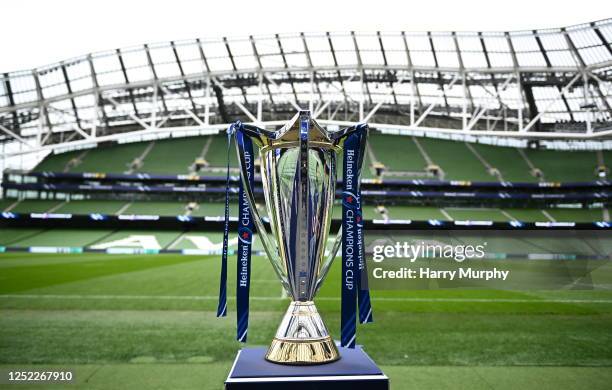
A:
(302, 338)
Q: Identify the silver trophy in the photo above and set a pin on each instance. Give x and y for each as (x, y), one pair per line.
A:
(298, 172)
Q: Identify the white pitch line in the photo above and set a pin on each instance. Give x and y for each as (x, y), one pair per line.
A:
(214, 298)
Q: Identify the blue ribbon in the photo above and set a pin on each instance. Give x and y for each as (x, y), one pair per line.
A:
(245, 239)
(354, 274)
(363, 292)
(350, 260)
(222, 305)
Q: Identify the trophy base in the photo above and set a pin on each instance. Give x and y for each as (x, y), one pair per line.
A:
(302, 338)
(303, 352)
(355, 371)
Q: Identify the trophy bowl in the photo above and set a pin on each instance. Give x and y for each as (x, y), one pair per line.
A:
(298, 172)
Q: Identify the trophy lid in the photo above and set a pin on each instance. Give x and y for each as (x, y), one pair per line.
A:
(289, 134)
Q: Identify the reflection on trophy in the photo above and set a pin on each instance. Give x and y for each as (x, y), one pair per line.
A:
(298, 172)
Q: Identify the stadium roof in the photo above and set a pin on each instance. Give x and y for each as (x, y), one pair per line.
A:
(552, 83)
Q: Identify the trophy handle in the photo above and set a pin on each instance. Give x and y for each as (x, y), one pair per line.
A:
(261, 230)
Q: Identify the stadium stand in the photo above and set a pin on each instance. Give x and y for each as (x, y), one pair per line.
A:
(465, 214)
(63, 237)
(36, 206)
(94, 159)
(404, 158)
(217, 153)
(437, 149)
(96, 206)
(507, 161)
(157, 208)
(173, 156)
(417, 213)
(397, 153)
(100, 239)
(577, 215)
(559, 166)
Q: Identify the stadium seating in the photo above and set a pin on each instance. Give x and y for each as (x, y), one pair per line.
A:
(500, 158)
(397, 153)
(173, 156)
(403, 157)
(96, 206)
(415, 213)
(570, 166)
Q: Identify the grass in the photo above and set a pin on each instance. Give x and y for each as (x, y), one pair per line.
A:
(124, 321)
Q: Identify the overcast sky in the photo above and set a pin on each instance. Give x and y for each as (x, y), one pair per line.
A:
(39, 32)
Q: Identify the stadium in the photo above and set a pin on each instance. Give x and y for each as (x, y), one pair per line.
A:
(113, 190)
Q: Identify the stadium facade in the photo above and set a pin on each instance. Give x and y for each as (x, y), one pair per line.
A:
(497, 87)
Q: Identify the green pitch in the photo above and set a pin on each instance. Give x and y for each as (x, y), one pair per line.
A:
(136, 321)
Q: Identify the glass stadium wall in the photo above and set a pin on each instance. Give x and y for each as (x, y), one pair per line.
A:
(495, 87)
